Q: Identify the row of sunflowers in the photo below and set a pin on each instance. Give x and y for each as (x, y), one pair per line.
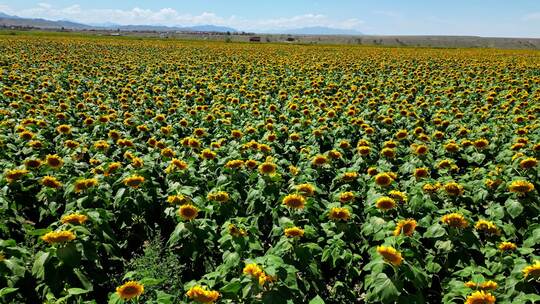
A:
(151, 171)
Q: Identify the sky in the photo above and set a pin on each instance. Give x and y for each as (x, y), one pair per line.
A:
(490, 18)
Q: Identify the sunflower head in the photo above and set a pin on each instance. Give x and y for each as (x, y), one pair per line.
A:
(383, 179)
(294, 201)
(390, 254)
(339, 214)
(294, 232)
(455, 220)
(532, 271)
(480, 297)
(267, 168)
(306, 189)
(520, 187)
(130, 290)
(385, 203)
(507, 246)
(188, 212)
(407, 227)
(75, 218)
(58, 237)
(201, 294)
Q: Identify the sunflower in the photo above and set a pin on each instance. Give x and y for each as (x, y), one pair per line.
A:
(388, 152)
(74, 218)
(32, 163)
(219, 196)
(54, 161)
(63, 129)
(168, 152)
(398, 196)
(306, 189)
(487, 227)
(390, 255)
(15, 174)
(481, 143)
(406, 227)
(455, 220)
(345, 197)
(208, 154)
(383, 179)
(51, 182)
(338, 213)
(177, 199)
(349, 176)
(520, 187)
(488, 285)
(267, 168)
(84, 184)
(385, 203)
(507, 246)
(453, 189)
(319, 160)
(528, 163)
(133, 181)
(294, 201)
(251, 163)
(421, 172)
(480, 297)
(532, 270)
(201, 294)
(130, 290)
(188, 212)
(421, 150)
(234, 164)
(294, 232)
(57, 237)
(235, 231)
(257, 273)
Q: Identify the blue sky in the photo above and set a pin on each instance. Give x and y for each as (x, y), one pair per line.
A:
(497, 18)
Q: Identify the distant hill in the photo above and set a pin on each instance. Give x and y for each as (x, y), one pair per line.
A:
(9, 20)
(320, 30)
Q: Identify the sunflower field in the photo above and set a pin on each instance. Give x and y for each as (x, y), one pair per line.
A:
(163, 171)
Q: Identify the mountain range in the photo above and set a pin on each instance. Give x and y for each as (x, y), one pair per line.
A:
(8, 20)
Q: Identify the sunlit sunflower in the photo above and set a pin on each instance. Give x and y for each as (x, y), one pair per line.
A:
(236, 231)
(421, 172)
(406, 227)
(201, 294)
(74, 218)
(58, 237)
(51, 182)
(339, 214)
(208, 154)
(306, 189)
(319, 160)
(385, 203)
(455, 220)
(532, 271)
(267, 168)
(487, 227)
(294, 232)
(390, 255)
(347, 196)
(188, 212)
(383, 179)
(134, 181)
(528, 163)
(83, 184)
(520, 187)
(453, 189)
(219, 196)
(130, 290)
(294, 201)
(54, 161)
(480, 297)
(15, 174)
(64, 129)
(507, 246)
(177, 199)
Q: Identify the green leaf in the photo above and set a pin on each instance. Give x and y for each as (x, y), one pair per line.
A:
(513, 207)
(69, 255)
(7, 290)
(232, 288)
(385, 288)
(38, 269)
(83, 279)
(435, 231)
(77, 291)
(317, 300)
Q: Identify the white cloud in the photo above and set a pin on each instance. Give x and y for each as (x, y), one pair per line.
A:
(171, 17)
